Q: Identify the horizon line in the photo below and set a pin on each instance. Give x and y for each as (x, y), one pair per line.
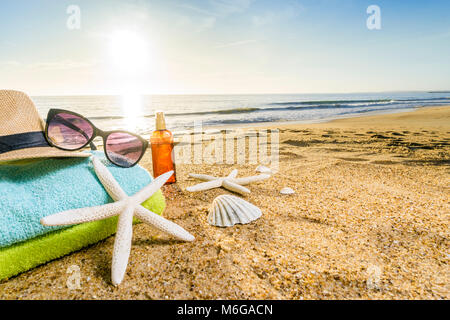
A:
(236, 94)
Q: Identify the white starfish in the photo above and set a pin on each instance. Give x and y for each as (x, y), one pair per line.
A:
(126, 207)
(229, 182)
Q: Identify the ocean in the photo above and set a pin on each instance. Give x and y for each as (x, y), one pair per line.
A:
(136, 113)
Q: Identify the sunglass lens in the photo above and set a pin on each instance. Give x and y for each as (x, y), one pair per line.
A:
(68, 131)
(124, 149)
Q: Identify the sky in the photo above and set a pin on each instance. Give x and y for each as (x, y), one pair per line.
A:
(223, 46)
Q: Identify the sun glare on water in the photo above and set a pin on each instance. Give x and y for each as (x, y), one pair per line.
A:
(132, 108)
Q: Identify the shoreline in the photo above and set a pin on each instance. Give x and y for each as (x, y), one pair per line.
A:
(253, 125)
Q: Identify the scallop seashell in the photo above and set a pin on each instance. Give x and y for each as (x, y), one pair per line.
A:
(263, 169)
(227, 210)
(287, 191)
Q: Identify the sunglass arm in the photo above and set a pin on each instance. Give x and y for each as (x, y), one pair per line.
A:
(93, 147)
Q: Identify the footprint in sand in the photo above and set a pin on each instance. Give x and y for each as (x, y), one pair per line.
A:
(297, 143)
(433, 162)
(384, 162)
(336, 149)
(353, 159)
(291, 154)
(379, 136)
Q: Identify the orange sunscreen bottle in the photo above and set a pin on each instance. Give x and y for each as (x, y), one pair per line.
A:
(162, 149)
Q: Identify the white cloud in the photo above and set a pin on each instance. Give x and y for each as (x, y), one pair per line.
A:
(234, 44)
(212, 12)
(47, 65)
(226, 7)
(291, 10)
(61, 65)
(267, 18)
(220, 8)
(10, 63)
(198, 10)
(206, 23)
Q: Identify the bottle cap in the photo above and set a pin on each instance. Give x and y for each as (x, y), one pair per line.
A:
(160, 121)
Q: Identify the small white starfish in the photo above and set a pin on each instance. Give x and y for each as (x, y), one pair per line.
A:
(229, 182)
(126, 207)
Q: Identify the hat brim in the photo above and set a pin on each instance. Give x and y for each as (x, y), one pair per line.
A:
(41, 152)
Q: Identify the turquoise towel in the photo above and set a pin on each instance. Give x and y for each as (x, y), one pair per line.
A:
(36, 189)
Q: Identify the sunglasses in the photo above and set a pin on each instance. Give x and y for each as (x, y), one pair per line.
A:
(69, 131)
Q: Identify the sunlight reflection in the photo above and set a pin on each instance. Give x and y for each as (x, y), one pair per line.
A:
(132, 109)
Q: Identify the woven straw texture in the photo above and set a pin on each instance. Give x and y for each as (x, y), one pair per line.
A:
(18, 114)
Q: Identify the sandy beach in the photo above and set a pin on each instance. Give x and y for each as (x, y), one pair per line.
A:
(369, 220)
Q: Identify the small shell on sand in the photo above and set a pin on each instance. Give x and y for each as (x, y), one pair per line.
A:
(263, 169)
(287, 191)
(227, 210)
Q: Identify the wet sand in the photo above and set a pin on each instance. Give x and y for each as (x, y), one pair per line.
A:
(369, 220)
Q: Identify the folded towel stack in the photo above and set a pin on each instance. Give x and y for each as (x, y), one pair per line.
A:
(32, 189)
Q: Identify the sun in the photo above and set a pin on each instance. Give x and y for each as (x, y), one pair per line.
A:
(130, 53)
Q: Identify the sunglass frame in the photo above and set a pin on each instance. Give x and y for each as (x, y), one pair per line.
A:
(96, 133)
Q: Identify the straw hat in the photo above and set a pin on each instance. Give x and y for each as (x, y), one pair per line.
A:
(22, 130)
